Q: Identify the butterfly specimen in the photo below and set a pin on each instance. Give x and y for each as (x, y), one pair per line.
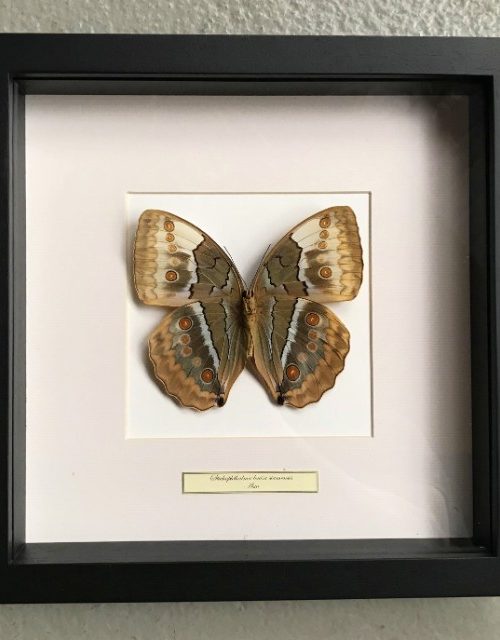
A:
(215, 325)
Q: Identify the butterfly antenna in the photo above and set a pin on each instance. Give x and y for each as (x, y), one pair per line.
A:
(228, 253)
(234, 266)
(264, 255)
(260, 264)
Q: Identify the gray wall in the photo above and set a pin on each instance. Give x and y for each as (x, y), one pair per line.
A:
(443, 619)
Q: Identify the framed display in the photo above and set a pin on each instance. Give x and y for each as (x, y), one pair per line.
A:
(249, 345)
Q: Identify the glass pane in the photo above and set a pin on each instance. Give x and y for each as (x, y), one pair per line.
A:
(391, 442)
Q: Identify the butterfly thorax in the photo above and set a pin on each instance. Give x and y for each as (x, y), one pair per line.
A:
(249, 303)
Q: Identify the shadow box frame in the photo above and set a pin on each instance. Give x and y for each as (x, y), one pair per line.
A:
(251, 65)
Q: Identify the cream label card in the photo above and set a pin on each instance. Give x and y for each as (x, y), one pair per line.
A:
(250, 482)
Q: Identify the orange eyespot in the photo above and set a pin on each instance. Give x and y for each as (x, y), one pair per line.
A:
(312, 335)
(207, 375)
(171, 276)
(312, 346)
(185, 338)
(312, 319)
(171, 248)
(170, 237)
(185, 323)
(187, 351)
(324, 234)
(292, 372)
(325, 222)
(169, 225)
(325, 272)
(322, 245)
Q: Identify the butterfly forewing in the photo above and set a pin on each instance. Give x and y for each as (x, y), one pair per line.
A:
(299, 346)
(321, 259)
(175, 262)
(200, 347)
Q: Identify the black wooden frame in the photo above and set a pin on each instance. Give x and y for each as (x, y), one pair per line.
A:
(229, 65)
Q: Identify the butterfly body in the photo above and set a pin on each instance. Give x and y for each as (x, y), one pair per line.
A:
(215, 325)
(249, 307)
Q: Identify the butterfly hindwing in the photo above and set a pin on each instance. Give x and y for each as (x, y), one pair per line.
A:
(299, 350)
(200, 347)
(198, 351)
(321, 259)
